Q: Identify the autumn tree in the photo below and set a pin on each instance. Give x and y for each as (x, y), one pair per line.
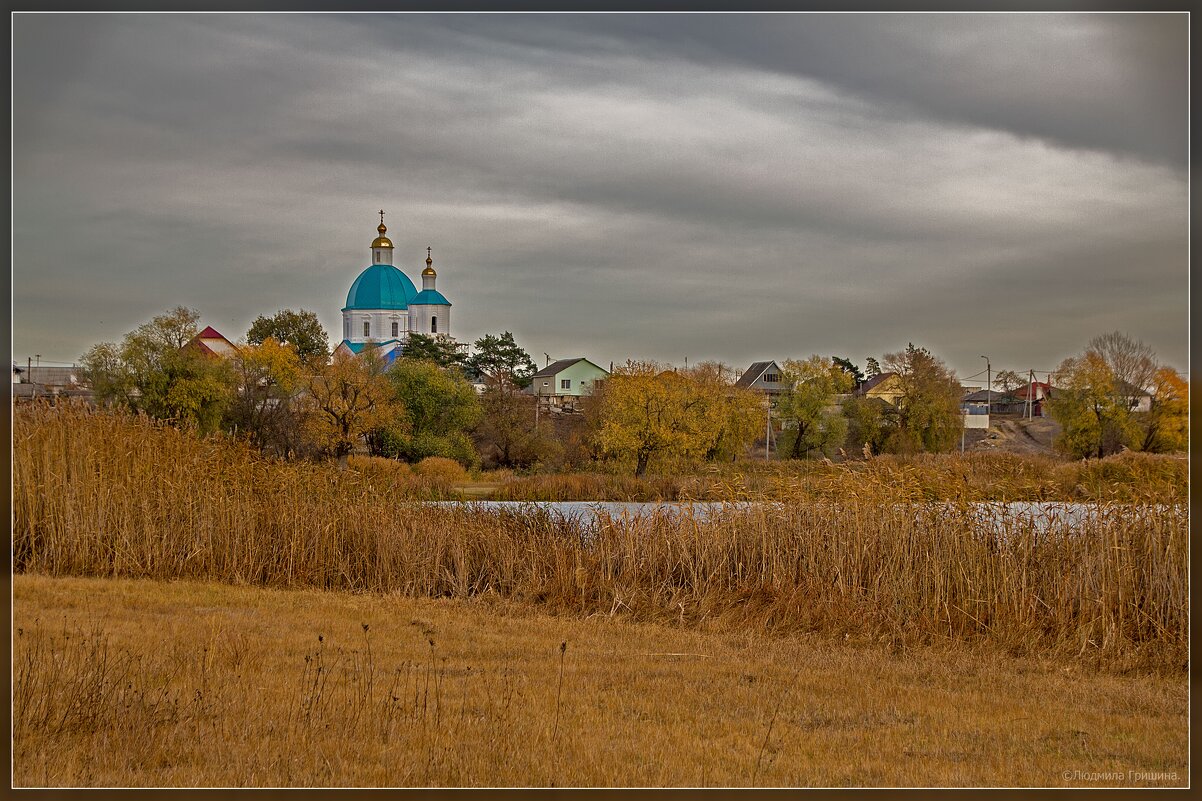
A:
(436, 349)
(299, 330)
(645, 411)
(808, 407)
(501, 355)
(264, 406)
(1097, 394)
(347, 398)
(510, 432)
(866, 424)
(153, 371)
(1007, 381)
(1166, 425)
(927, 413)
(439, 409)
(728, 417)
(1094, 417)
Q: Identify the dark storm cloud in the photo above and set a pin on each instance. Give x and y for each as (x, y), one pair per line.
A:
(1109, 81)
(732, 187)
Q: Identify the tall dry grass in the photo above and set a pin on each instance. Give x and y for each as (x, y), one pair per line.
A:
(110, 495)
(1135, 477)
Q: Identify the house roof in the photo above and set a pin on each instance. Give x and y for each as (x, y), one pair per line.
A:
(753, 373)
(557, 367)
(211, 341)
(1130, 390)
(1033, 389)
(990, 396)
(53, 376)
(872, 383)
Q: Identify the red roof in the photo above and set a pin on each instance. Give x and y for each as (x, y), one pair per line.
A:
(210, 333)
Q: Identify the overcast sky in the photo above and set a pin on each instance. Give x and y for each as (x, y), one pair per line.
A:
(730, 187)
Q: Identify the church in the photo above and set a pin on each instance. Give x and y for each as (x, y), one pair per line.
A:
(384, 307)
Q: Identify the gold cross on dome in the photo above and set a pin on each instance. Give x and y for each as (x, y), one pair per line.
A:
(381, 216)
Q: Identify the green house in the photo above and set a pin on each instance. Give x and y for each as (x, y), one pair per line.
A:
(561, 384)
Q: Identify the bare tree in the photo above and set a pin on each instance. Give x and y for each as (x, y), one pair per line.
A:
(1130, 360)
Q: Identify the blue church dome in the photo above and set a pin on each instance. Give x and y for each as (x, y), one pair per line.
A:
(381, 286)
(429, 297)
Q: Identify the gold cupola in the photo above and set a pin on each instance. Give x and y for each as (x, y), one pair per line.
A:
(428, 274)
(381, 241)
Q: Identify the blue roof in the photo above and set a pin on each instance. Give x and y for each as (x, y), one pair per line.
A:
(429, 297)
(389, 357)
(380, 286)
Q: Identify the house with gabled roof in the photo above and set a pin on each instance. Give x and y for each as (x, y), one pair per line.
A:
(561, 384)
(210, 342)
(882, 386)
(762, 377)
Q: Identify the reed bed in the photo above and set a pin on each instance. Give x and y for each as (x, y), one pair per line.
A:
(110, 495)
(1134, 477)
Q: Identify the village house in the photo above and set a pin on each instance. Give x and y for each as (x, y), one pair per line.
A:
(561, 384)
(210, 342)
(33, 382)
(882, 387)
(762, 377)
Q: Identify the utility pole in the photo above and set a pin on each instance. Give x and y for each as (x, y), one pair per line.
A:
(1031, 395)
(768, 433)
(988, 386)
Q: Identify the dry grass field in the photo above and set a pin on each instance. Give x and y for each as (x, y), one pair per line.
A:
(170, 592)
(122, 682)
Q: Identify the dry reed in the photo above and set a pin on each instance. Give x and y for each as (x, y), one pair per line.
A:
(110, 495)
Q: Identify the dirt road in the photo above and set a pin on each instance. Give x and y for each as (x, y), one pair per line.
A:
(1016, 435)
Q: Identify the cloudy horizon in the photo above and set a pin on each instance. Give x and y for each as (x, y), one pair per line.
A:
(654, 186)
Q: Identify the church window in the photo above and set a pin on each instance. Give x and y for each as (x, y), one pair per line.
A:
(433, 325)
(565, 383)
(367, 328)
(396, 328)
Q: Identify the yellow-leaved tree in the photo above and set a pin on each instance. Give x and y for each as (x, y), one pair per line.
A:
(1115, 395)
(646, 411)
(1094, 415)
(347, 398)
(1166, 425)
(808, 406)
(264, 408)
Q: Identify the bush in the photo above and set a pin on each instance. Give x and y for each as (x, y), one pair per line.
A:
(440, 467)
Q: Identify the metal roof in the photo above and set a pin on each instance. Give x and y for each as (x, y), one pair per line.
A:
(756, 370)
(556, 367)
(380, 286)
(429, 297)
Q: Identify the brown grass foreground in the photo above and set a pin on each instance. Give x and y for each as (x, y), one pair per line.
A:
(138, 683)
(109, 495)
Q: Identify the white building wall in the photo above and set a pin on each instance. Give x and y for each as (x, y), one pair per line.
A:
(381, 321)
(420, 317)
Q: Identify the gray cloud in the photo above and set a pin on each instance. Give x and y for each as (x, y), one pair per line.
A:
(733, 187)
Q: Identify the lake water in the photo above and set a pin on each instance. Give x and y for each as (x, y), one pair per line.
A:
(1041, 514)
